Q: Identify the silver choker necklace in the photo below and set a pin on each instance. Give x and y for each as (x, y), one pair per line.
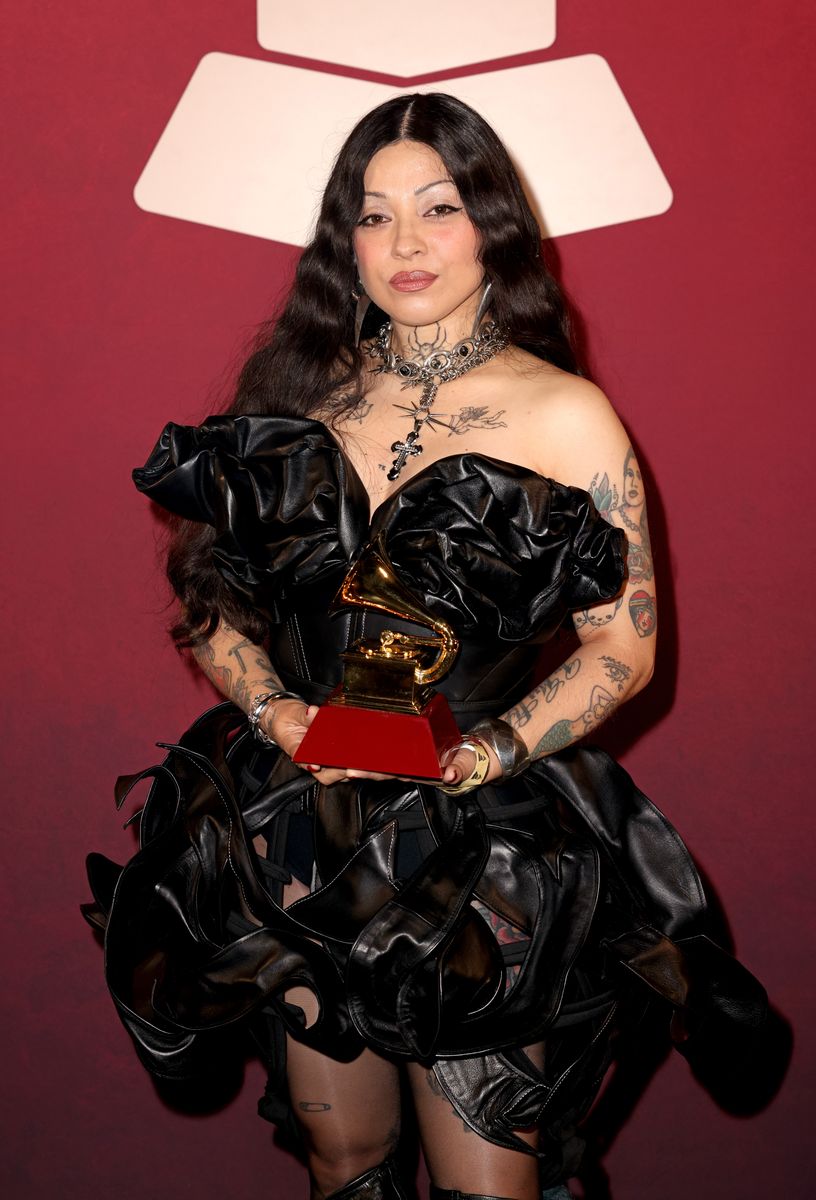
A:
(439, 367)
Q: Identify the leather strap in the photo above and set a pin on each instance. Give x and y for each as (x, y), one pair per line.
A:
(382, 1182)
(556, 1193)
(454, 1194)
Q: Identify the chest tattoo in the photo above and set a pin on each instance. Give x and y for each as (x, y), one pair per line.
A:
(469, 417)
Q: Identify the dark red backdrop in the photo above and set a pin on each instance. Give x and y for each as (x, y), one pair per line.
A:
(700, 329)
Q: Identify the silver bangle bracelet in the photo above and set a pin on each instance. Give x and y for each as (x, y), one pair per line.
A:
(505, 742)
(259, 707)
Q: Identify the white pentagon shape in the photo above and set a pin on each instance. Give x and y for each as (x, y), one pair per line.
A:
(232, 155)
(409, 42)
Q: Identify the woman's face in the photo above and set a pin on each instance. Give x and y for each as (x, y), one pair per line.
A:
(415, 245)
(632, 483)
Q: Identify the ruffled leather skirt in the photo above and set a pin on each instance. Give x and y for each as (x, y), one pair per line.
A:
(599, 887)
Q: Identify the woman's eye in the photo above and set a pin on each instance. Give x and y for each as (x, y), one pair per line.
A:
(371, 219)
(442, 210)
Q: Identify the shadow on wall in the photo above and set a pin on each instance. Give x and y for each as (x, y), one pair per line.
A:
(643, 1046)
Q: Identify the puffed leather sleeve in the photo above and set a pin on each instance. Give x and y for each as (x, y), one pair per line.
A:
(497, 550)
(286, 511)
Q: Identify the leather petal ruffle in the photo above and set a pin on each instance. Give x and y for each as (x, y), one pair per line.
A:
(176, 972)
(286, 509)
(497, 550)
(570, 851)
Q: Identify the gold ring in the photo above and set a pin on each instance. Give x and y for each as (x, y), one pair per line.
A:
(477, 776)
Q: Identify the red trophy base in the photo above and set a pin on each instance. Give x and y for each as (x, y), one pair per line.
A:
(373, 739)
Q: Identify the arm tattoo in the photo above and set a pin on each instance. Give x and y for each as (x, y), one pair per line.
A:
(643, 613)
(220, 676)
(629, 508)
(604, 495)
(617, 671)
(601, 703)
(556, 738)
(596, 620)
(549, 689)
(248, 683)
(236, 651)
(562, 733)
(241, 694)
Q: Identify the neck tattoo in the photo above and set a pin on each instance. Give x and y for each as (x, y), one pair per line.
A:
(441, 366)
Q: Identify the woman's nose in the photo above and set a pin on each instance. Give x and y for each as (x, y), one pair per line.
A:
(407, 238)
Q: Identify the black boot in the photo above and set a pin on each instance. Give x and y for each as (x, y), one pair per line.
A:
(382, 1182)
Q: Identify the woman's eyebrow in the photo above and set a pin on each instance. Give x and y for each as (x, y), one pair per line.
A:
(425, 187)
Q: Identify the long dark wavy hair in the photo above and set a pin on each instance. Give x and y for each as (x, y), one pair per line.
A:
(304, 362)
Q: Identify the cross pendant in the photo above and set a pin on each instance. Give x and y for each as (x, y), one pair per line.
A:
(403, 451)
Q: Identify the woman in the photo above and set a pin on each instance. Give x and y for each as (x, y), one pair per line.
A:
(469, 935)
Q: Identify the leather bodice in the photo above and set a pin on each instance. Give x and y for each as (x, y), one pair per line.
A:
(500, 552)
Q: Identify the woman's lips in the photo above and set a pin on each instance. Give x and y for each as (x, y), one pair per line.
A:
(412, 281)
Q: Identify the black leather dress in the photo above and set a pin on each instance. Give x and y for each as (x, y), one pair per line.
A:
(570, 852)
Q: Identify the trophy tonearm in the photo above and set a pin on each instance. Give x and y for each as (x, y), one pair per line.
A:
(395, 670)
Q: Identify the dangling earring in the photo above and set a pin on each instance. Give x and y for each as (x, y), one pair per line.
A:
(482, 309)
(362, 304)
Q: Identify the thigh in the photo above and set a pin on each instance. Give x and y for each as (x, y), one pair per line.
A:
(349, 1112)
(457, 1157)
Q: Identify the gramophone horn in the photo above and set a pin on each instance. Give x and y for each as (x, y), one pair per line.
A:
(373, 583)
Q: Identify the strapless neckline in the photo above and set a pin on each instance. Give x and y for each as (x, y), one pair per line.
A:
(213, 426)
(491, 545)
(430, 468)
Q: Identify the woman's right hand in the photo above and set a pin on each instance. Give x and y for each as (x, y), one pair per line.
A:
(286, 722)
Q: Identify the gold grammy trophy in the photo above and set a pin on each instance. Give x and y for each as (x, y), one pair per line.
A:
(385, 716)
